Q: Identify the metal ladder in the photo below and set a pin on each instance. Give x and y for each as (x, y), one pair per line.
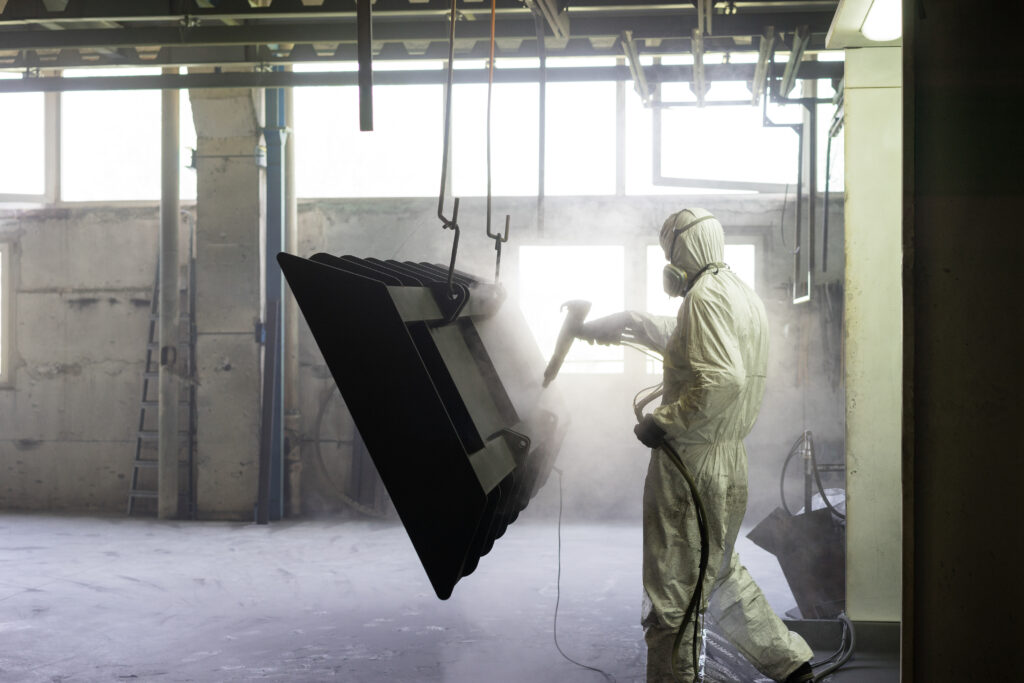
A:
(144, 465)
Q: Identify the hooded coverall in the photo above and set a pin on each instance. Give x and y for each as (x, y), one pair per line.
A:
(714, 380)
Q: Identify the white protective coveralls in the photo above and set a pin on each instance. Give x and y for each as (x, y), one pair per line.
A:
(714, 380)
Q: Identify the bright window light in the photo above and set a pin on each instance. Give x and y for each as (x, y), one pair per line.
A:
(22, 156)
(407, 65)
(566, 62)
(742, 261)
(580, 139)
(112, 71)
(513, 140)
(551, 275)
(517, 63)
(884, 21)
(741, 258)
(713, 143)
(401, 157)
(727, 143)
(110, 143)
(310, 67)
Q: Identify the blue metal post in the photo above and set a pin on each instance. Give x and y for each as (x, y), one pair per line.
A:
(275, 134)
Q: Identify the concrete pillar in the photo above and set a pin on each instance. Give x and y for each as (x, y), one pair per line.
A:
(170, 327)
(873, 332)
(229, 276)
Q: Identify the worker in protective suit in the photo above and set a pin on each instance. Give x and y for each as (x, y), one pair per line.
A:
(714, 378)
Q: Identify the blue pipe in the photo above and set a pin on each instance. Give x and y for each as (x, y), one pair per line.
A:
(275, 134)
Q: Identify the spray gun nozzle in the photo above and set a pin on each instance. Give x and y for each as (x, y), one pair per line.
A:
(577, 311)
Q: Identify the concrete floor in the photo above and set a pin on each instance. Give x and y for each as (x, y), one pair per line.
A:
(114, 599)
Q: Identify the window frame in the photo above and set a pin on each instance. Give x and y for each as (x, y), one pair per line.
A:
(51, 163)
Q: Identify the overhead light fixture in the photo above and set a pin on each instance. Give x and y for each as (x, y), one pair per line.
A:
(884, 21)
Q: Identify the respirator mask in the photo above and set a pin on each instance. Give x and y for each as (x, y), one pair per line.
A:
(675, 280)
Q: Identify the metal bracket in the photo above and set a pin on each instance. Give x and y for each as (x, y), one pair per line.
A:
(499, 239)
(766, 49)
(450, 298)
(636, 69)
(699, 86)
(518, 443)
(557, 18)
(801, 38)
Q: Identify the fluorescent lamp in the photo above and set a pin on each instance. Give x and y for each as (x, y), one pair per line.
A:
(884, 21)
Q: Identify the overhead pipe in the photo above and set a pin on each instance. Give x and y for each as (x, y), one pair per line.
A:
(275, 135)
(292, 405)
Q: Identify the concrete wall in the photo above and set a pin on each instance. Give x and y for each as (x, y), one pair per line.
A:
(873, 331)
(81, 297)
(67, 425)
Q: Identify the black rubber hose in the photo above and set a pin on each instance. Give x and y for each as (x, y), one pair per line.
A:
(845, 653)
(693, 608)
(782, 477)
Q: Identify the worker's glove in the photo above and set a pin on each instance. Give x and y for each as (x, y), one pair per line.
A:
(606, 330)
(650, 432)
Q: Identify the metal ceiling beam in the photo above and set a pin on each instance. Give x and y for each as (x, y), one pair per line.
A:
(345, 52)
(29, 11)
(284, 79)
(433, 28)
(252, 55)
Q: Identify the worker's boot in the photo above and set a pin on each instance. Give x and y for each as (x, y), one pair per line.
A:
(803, 674)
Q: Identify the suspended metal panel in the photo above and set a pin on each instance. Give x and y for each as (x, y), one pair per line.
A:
(446, 392)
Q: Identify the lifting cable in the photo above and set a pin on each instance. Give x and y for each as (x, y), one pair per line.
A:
(498, 238)
(447, 223)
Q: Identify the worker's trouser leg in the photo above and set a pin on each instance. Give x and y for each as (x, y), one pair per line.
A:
(659, 655)
(744, 617)
(671, 553)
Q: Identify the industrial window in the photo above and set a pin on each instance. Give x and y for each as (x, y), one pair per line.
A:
(514, 134)
(741, 257)
(710, 143)
(110, 142)
(551, 275)
(22, 155)
(580, 139)
(401, 157)
(5, 314)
